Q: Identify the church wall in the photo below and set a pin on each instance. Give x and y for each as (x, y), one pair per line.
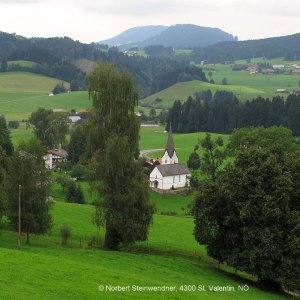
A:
(156, 175)
(170, 181)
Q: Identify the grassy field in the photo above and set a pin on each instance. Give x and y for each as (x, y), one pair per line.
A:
(182, 90)
(170, 256)
(244, 85)
(45, 270)
(22, 93)
(156, 138)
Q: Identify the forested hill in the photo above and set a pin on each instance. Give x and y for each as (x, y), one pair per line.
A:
(284, 46)
(134, 35)
(178, 36)
(188, 35)
(56, 57)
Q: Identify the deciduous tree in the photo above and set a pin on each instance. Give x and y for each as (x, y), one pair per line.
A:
(113, 141)
(249, 216)
(27, 169)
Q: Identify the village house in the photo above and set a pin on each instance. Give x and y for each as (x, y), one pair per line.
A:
(54, 157)
(253, 69)
(170, 174)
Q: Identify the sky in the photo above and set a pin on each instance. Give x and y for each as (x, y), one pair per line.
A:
(96, 20)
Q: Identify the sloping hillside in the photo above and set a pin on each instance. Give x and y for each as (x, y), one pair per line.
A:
(134, 35)
(182, 90)
(24, 82)
(188, 35)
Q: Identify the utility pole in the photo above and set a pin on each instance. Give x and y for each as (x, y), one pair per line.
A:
(19, 218)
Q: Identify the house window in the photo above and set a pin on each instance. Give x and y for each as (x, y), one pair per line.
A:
(179, 178)
(166, 161)
(156, 176)
(173, 179)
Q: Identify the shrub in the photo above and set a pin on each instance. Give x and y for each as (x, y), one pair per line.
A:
(74, 194)
(13, 124)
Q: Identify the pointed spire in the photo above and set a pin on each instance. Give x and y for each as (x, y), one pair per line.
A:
(170, 144)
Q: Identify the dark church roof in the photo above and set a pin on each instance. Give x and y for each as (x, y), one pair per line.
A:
(170, 144)
(173, 169)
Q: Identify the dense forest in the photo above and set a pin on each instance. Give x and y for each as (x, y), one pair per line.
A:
(285, 46)
(56, 57)
(223, 112)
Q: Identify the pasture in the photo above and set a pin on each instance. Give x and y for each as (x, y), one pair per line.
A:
(156, 138)
(244, 85)
(46, 270)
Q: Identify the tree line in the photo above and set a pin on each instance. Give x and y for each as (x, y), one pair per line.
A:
(285, 46)
(223, 112)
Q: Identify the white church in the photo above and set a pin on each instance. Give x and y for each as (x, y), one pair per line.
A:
(169, 174)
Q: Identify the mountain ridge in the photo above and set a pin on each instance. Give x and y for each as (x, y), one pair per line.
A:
(176, 36)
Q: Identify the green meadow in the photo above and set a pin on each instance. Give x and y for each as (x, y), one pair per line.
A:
(171, 257)
(244, 85)
(156, 138)
(182, 90)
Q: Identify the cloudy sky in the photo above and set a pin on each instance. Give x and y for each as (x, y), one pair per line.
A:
(94, 20)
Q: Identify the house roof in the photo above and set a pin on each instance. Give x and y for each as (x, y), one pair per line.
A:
(170, 148)
(59, 152)
(173, 169)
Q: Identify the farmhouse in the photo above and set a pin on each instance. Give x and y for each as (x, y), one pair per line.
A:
(169, 174)
(55, 156)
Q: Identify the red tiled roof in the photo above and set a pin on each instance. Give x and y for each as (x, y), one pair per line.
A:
(59, 152)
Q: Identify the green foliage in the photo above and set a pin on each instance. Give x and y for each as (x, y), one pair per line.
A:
(78, 171)
(3, 67)
(194, 161)
(3, 172)
(214, 156)
(225, 113)
(125, 195)
(65, 233)
(249, 216)
(262, 137)
(224, 81)
(113, 141)
(13, 124)
(5, 141)
(27, 169)
(74, 193)
(98, 217)
(59, 88)
(284, 46)
(49, 127)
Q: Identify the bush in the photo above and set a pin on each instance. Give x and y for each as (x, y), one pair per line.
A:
(78, 171)
(74, 194)
(65, 234)
(13, 124)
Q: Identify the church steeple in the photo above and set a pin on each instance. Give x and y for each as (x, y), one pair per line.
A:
(170, 144)
(170, 156)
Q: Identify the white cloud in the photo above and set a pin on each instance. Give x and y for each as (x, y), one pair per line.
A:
(93, 20)
(20, 1)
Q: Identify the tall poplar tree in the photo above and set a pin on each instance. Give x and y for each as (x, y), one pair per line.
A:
(113, 143)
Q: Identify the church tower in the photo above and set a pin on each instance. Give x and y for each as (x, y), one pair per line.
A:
(169, 156)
